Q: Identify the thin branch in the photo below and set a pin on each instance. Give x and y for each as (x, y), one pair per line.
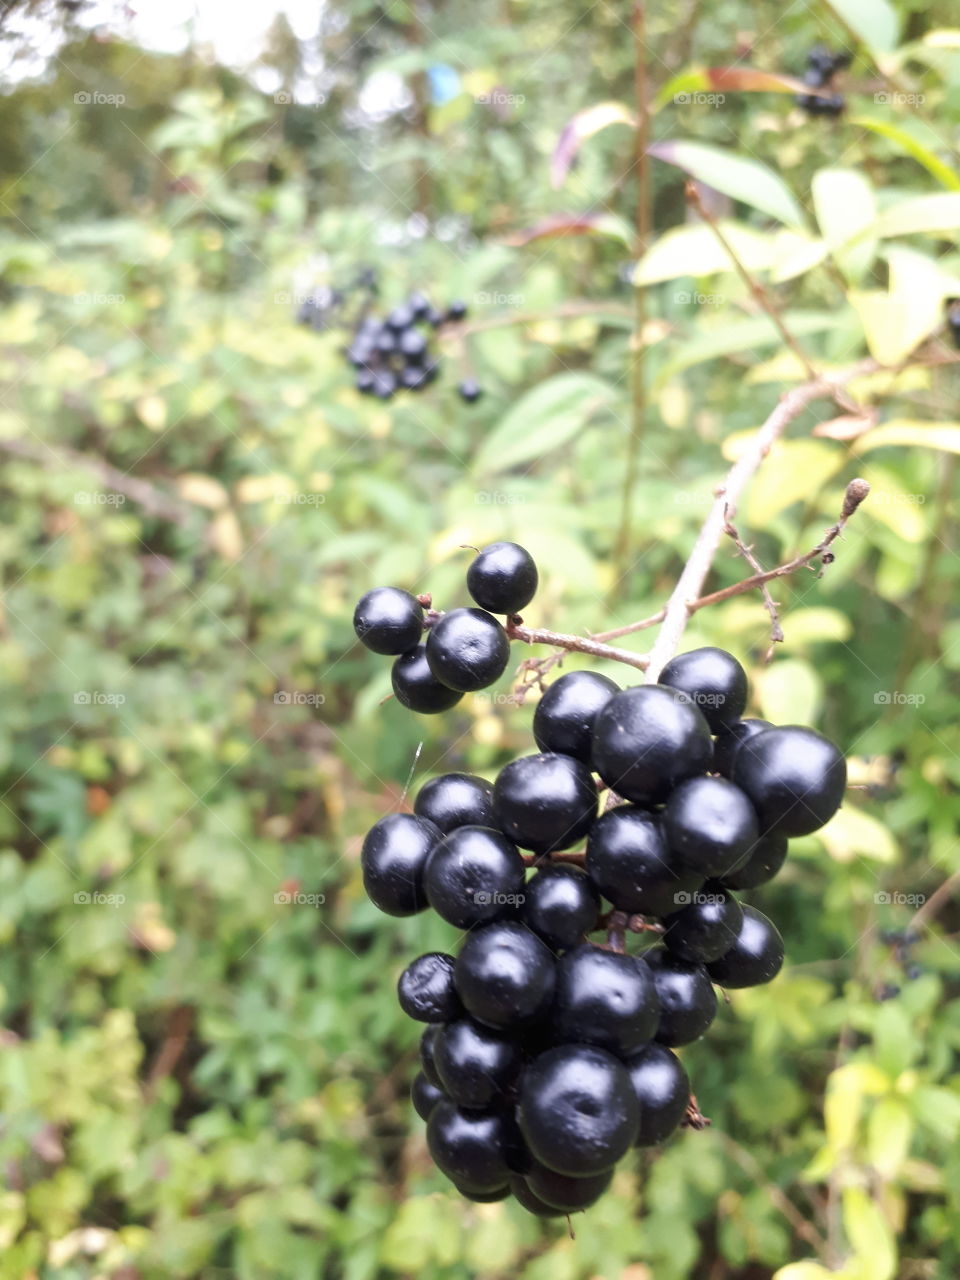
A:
(752, 1168)
(938, 899)
(574, 644)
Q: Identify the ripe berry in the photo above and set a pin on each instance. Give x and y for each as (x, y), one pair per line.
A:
(629, 862)
(545, 802)
(504, 975)
(469, 391)
(794, 776)
(457, 310)
(467, 1146)
(412, 345)
(560, 904)
(570, 1195)
(456, 800)
(604, 999)
(646, 740)
(393, 857)
(467, 649)
(503, 578)
(428, 1046)
(663, 1091)
(364, 381)
(688, 1002)
(728, 743)
(400, 318)
(476, 1066)
(564, 718)
(388, 620)
(710, 825)
(755, 958)
(419, 305)
(417, 688)
(533, 1204)
(483, 1197)
(764, 860)
(426, 991)
(384, 384)
(706, 928)
(577, 1112)
(714, 680)
(385, 341)
(473, 876)
(425, 1096)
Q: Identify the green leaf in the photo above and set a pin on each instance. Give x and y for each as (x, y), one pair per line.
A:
(889, 1131)
(694, 250)
(793, 470)
(875, 22)
(896, 322)
(944, 436)
(845, 206)
(734, 336)
(542, 420)
(746, 180)
(869, 1234)
(853, 833)
(944, 174)
(935, 214)
(789, 692)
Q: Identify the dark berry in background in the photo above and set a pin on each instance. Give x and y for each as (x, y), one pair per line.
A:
(417, 688)
(503, 578)
(727, 743)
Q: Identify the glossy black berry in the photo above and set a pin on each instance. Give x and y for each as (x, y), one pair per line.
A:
(503, 578)
(755, 958)
(426, 991)
(688, 1002)
(428, 1047)
(467, 1146)
(560, 904)
(417, 688)
(388, 620)
(474, 875)
(419, 305)
(393, 858)
(504, 975)
(469, 391)
(764, 860)
(710, 825)
(412, 345)
(477, 1067)
(456, 800)
(706, 928)
(663, 1091)
(413, 378)
(629, 862)
(545, 802)
(565, 1193)
(604, 999)
(483, 1197)
(400, 318)
(728, 743)
(364, 382)
(646, 740)
(425, 1096)
(713, 680)
(457, 310)
(533, 1204)
(794, 776)
(564, 718)
(578, 1112)
(467, 649)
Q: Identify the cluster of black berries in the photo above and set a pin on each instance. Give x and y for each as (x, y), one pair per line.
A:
(901, 943)
(822, 66)
(548, 1057)
(465, 649)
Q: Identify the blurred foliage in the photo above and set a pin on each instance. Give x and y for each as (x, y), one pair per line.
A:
(203, 1069)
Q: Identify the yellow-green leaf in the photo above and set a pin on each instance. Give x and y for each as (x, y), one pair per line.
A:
(853, 833)
(889, 1131)
(944, 436)
(869, 1234)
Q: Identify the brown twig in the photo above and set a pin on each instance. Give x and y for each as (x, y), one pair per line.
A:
(573, 644)
(752, 1168)
(938, 899)
(694, 1117)
(776, 630)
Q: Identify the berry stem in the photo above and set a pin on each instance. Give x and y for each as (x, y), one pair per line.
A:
(576, 644)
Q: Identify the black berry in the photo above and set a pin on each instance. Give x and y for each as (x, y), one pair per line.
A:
(456, 800)
(755, 958)
(457, 310)
(560, 904)
(646, 740)
(604, 999)
(545, 802)
(728, 743)
(533, 1204)
(467, 649)
(629, 862)
(393, 858)
(417, 688)
(467, 1146)
(706, 928)
(505, 975)
(469, 391)
(564, 718)
(710, 825)
(713, 680)
(476, 1066)
(503, 578)
(565, 1193)
(764, 859)
(474, 875)
(426, 991)
(795, 778)
(425, 1096)
(428, 1046)
(663, 1091)
(688, 1002)
(388, 620)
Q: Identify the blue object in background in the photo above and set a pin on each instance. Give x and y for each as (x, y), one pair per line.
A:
(444, 83)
